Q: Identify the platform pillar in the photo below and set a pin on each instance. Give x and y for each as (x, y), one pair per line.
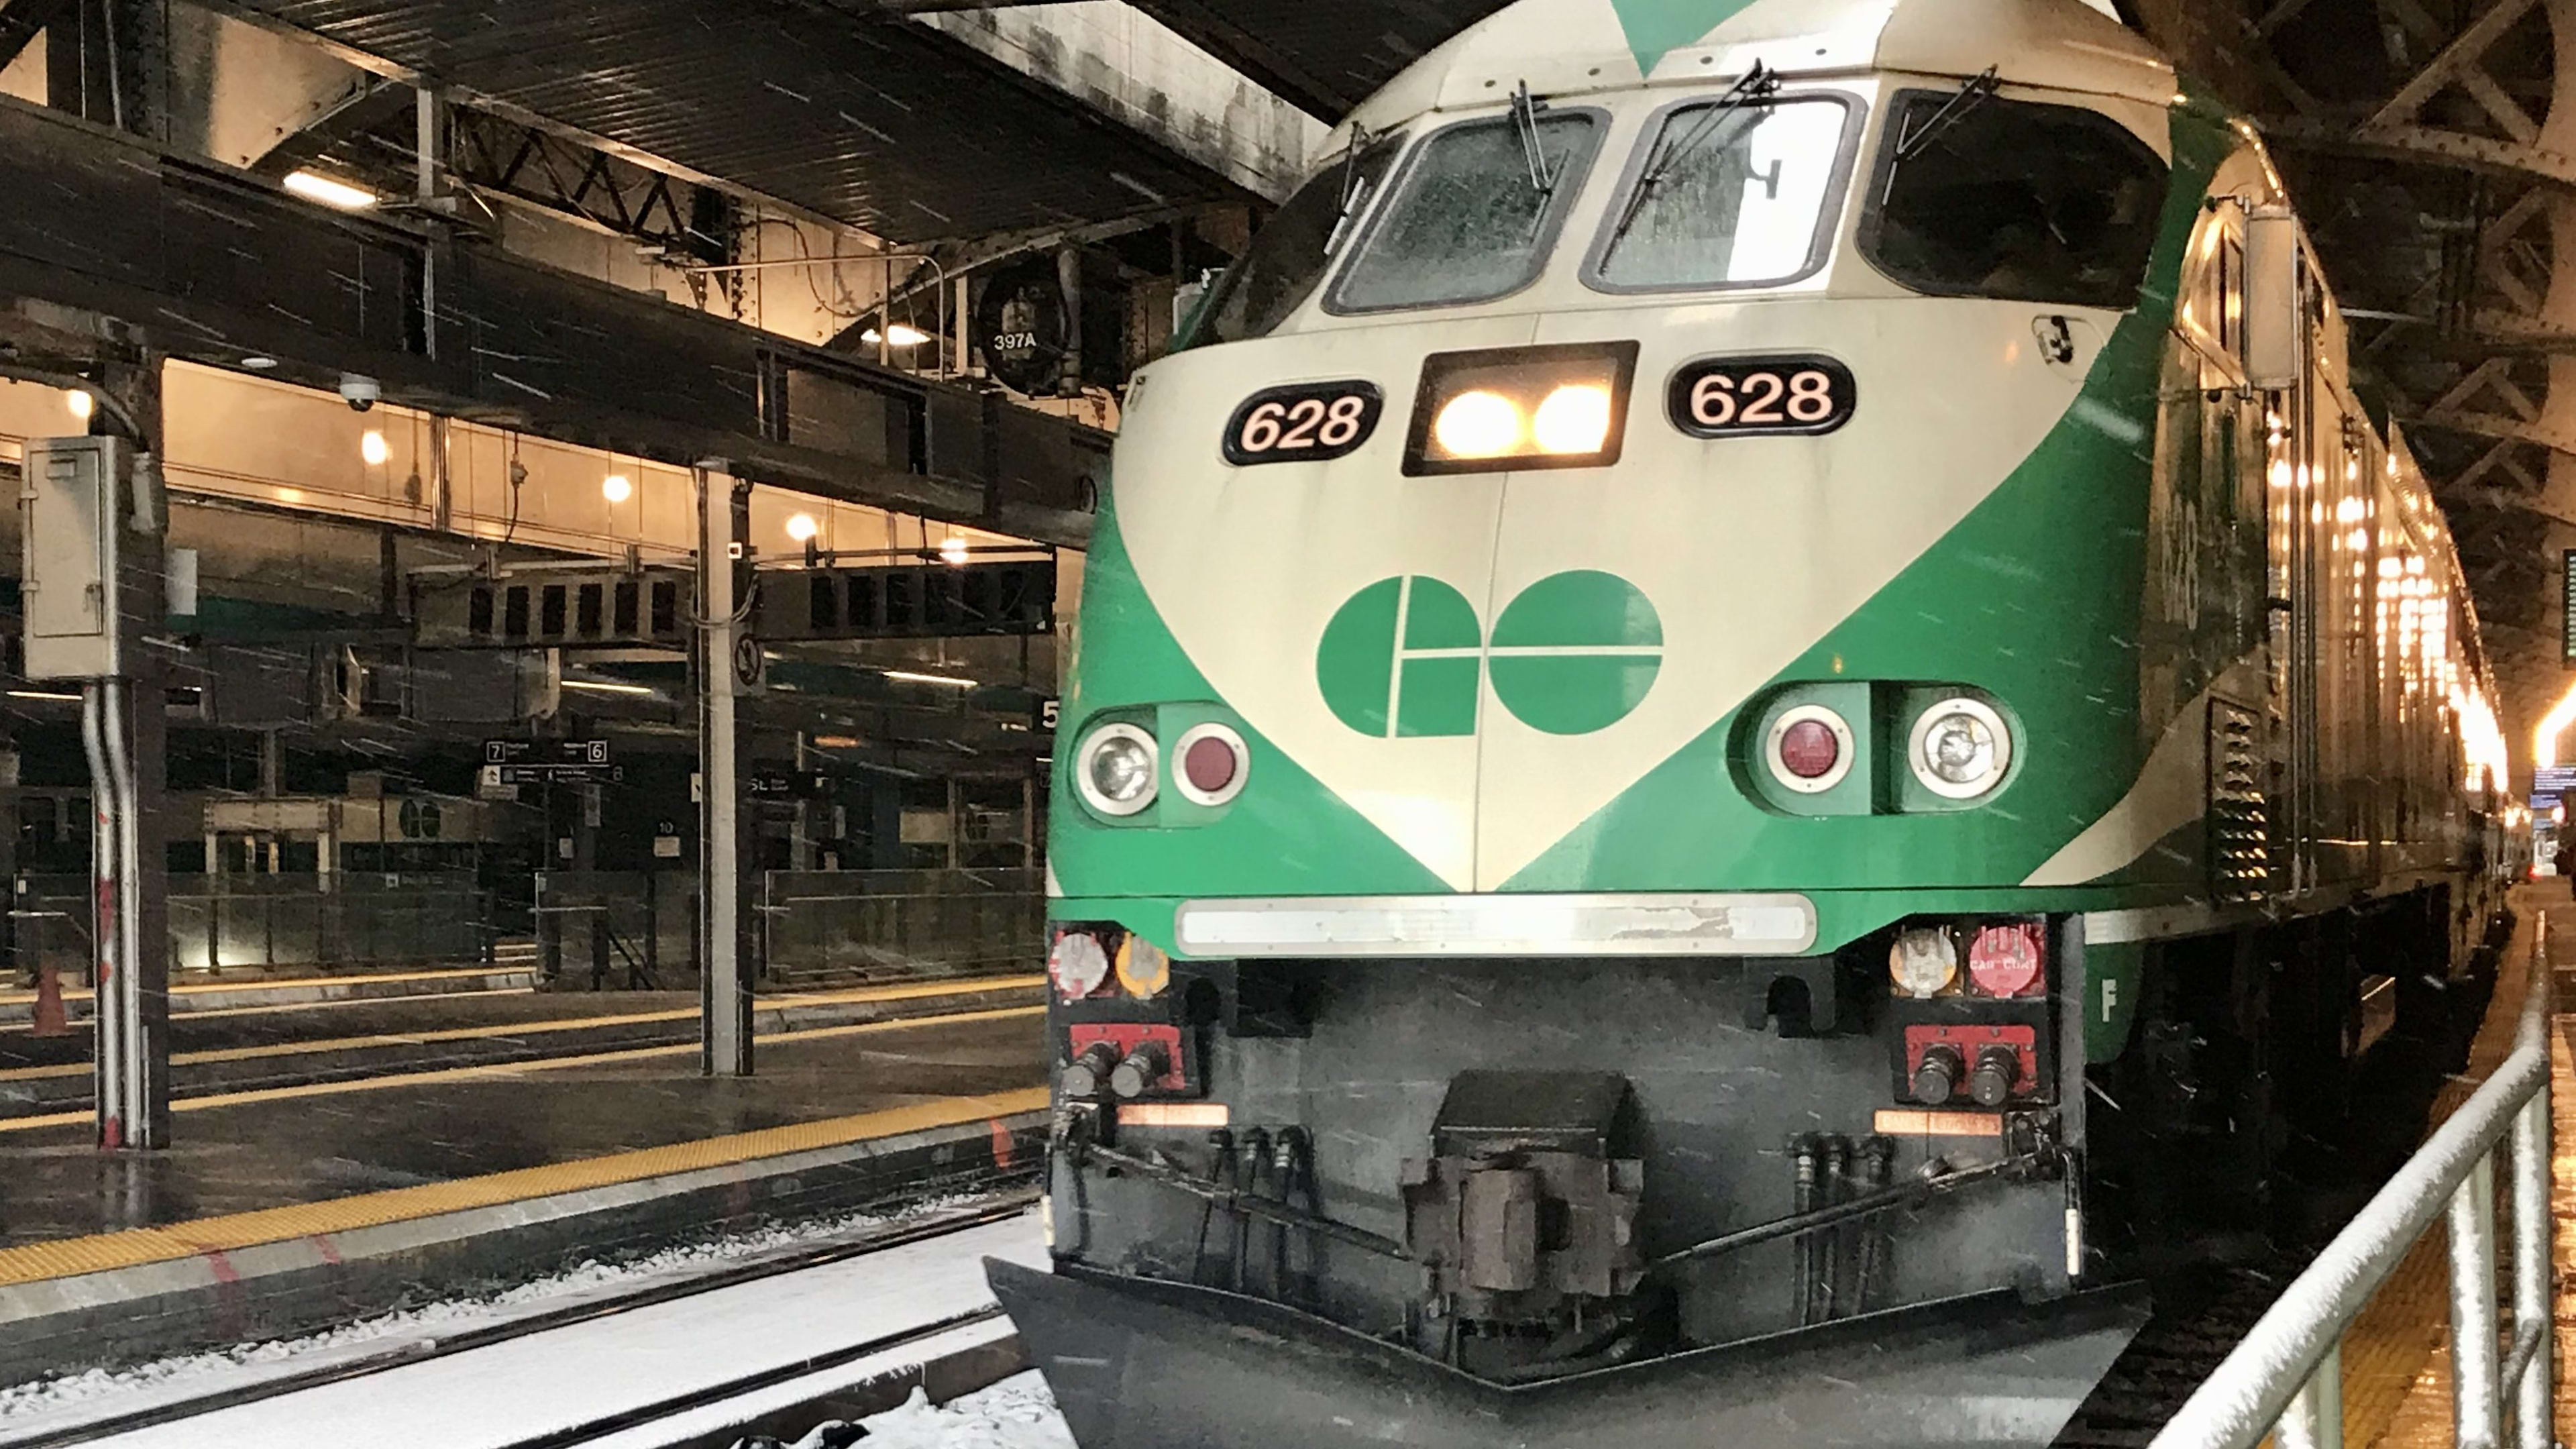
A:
(724, 983)
(94, 592)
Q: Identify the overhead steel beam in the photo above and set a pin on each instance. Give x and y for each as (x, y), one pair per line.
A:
(361, 111)
(216, 266)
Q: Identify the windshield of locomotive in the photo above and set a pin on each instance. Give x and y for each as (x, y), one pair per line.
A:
(1728, 195)
(1979, 196)
(1290, 254)
(1474, 215)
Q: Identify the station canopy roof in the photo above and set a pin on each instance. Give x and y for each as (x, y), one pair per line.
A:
(1325, 56)
(846, 108)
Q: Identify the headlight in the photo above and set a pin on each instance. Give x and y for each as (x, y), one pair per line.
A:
(1574, 419)
(1520, 407)
(1960, 749)
(1923, 962)
(1115, 769)
(1477, 425)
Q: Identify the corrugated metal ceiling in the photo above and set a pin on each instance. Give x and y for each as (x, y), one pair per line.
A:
(1324, 55)
(876, 121)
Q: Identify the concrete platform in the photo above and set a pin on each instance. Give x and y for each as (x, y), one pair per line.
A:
(281, 1211)
(301, 1043)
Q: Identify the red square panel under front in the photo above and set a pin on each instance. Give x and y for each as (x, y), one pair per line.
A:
(1969, 1040)
(1126, 1036)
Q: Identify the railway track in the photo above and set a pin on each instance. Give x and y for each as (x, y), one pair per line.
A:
(578, 1331)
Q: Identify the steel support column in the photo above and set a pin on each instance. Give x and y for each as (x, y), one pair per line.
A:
(724, 984)
(124, 733)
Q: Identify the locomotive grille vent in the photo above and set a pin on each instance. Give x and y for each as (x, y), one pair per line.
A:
(2239, 845)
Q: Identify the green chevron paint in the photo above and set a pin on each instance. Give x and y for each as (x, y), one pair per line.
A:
(1654, 28)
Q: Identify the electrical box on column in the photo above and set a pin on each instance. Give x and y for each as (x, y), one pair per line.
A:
(69, 531)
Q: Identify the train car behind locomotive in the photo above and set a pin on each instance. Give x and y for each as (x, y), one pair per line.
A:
(1752, 682)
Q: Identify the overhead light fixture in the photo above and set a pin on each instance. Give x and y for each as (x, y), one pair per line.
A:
(952, 681)
(374, 449)
(802, 528)
(899, 335)
(603, 686)
(259, 364)
(50, 695)
(616, 488)
(836, 742)
(953, 549)
(80, 403)
(329, 192)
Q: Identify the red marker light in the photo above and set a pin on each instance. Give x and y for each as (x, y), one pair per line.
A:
(1209, 764)
(1809, 750)
(2007, 960)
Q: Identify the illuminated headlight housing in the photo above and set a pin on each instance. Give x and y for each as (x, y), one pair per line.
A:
(1959, 748)
(1511, 408)
(1116, 769)
(1923, 961)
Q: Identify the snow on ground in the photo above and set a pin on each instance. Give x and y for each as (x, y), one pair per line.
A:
(1017, 1413)
(203, 1372)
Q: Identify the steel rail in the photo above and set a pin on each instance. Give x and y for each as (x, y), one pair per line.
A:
(404, 1355)
(2287, 1374)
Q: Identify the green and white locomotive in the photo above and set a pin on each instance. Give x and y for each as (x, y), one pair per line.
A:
(1752, 681)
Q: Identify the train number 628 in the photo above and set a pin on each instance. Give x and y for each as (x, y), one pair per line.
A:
(1305, 423)
(1734, 397)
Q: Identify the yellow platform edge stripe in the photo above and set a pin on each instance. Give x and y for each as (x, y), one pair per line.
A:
(36, 1262)
(910, 991)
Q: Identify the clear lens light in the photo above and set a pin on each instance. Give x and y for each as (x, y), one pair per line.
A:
(1122, 769)
(1923, 962)
(1960, 749)
(1477, 425)
(1574, 419)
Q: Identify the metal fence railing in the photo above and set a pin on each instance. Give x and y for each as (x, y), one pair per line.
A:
(891, 924)
(267, 922)
(2286, 1378)
(630, 929)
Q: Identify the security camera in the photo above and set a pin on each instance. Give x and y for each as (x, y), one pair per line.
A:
(360, 393)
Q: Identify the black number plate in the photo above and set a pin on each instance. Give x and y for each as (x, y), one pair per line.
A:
(1305, 423)
(1735, 397)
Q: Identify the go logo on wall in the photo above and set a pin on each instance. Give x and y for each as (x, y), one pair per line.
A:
(1406, 657)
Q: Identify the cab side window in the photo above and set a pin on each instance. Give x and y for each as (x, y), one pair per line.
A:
(1977, 196)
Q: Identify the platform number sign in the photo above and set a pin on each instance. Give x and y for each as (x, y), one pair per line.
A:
(1303, 423)
(2567, 613)
(1735, 397)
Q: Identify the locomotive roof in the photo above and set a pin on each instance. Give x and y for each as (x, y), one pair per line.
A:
(1564, 48)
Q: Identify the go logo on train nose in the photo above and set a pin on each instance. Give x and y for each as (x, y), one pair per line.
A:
(1406, 657)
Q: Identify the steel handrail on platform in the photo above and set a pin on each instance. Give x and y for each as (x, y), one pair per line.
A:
(2286, 1378)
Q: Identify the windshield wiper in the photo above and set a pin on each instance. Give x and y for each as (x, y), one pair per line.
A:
(1355, 188)
(1913, 140)
(1759, 84)
(1525, 109)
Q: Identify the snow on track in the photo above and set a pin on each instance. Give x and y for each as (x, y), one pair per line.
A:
(1017, 1413)
(560, 1379)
